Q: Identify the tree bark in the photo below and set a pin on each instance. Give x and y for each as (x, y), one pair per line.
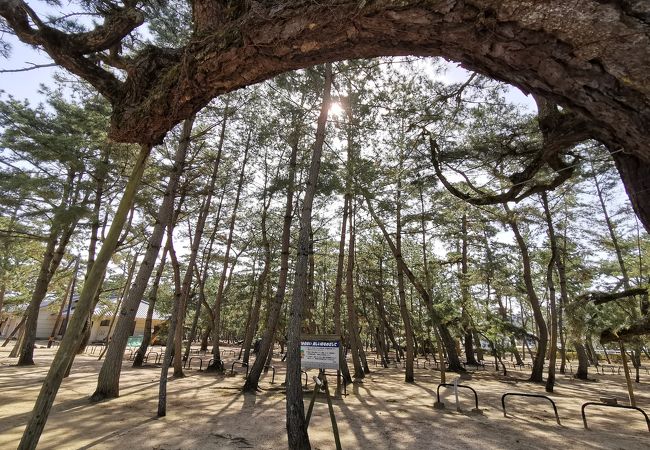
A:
(445, 336)
(550, 381)
(296, 424)
(353, 321)
(109, 375)
(60, 233)
(173, 323)
(138, 358)
(70, 341)
(261, 280)
(537, 374)
(69, 293)
(466, 295)
(409, 376)
(216, 309)
(275, 307)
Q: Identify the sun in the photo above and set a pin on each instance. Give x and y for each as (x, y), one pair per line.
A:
(336, 109)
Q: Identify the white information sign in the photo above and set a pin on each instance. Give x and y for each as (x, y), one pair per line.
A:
(319, 352)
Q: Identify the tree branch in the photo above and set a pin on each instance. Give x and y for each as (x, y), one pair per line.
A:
(26, 69)
(71, 50)
(604, 297)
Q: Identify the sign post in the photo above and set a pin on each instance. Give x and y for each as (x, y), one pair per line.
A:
(321, 352)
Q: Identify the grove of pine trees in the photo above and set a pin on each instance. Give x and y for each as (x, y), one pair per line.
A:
(231, 166)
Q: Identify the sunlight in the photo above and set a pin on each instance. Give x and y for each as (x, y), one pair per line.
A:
(336, 110)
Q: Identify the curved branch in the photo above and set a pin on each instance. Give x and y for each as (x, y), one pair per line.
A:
(512, 194)
(72, 50)
(639, 328)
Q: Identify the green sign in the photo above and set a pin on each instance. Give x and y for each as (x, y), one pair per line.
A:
(134, 341)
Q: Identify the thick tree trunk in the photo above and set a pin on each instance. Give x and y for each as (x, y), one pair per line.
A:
(296, 424)
(504, 39)
(635, 174)
(583, 361)
(240, 45)
(70, 341)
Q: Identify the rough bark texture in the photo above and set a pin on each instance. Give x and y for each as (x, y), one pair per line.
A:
(591, 56)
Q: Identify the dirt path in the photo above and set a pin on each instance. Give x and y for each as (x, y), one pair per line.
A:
(208, 411)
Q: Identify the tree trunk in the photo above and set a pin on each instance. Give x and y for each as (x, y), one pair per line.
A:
(109, 376)
(275, 307)
(70, 341)
(353, 321)
(612, 234)
(216, 309)
(296, 424)
(409, 377)
(447, 340)
(381, 312)
(550, 381)
(261, 280)
(173, 323)
(138, 359)
(466, 296)
(583, 361)
(338, 289)
(127, 284)
(635, 174)
(69, 293)
(50, 262)
(537, 373)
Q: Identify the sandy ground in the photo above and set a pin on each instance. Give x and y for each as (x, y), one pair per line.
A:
(208, 411)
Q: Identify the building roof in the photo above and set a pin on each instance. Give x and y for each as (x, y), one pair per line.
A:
(103, 310)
